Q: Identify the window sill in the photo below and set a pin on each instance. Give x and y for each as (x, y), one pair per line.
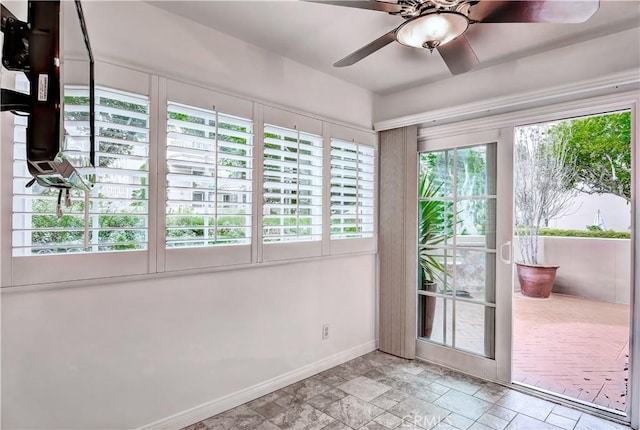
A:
(107, 279)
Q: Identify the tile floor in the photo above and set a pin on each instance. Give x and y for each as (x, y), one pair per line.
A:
(379, 391)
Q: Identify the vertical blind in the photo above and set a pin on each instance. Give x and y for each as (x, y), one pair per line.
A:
(209, 177)
(114, 216)
(292, 209)
(352, 190)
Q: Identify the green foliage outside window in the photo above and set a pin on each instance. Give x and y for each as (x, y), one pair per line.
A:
(601, 146)
(192, 227)
(601, 234)
(119, 228)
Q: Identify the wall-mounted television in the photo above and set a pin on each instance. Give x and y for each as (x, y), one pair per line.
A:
(35, 48)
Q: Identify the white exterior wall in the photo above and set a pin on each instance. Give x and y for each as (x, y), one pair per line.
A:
(598, 269)
(615, 211)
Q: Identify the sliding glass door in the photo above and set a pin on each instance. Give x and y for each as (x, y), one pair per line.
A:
(458, 254)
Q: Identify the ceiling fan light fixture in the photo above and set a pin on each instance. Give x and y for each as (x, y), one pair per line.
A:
(432, 30)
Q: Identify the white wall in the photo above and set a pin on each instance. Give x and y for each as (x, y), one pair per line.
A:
(615, 211)
(564, 66)
(598, 269)
(125, 355)
(144, 36)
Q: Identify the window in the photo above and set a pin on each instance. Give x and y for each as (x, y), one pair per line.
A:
(116, 215)
(352, 190)
(188, 203)
(292, 210)
(209, 178)
(198, 196)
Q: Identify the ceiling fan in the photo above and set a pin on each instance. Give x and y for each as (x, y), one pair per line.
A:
(441, 24)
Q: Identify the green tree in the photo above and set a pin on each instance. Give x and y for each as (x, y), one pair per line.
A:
(66, 231)
(601, 146)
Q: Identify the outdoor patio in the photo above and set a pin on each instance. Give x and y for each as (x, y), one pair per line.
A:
(572, 346)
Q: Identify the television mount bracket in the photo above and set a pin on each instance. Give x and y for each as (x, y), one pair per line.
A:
(15, 52)
(15, 56)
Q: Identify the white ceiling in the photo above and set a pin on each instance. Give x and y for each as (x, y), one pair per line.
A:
(318, 35)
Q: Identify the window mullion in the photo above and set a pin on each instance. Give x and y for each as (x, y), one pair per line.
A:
(87, 203)
(298, 184)
(357, 188)
(215, 164)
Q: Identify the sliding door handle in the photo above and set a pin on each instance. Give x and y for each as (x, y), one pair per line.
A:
(501, 253)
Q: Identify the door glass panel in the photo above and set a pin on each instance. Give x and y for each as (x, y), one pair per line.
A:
(439, 215)
(477, 225)
(471, 171)
(438, 329)
(457, 257)
(436, 270)
(573, 181)
(475, 275)
(438, 166)
(474, 328)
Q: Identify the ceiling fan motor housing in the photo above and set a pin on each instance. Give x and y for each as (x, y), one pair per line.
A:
(413, 8)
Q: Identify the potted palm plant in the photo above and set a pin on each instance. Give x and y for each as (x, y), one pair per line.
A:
(544, 173)
(435, 226)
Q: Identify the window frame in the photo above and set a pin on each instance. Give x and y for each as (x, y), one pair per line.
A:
(115, 266)
(185, 258)
(53, 268)
(278, 251)
(361, 244)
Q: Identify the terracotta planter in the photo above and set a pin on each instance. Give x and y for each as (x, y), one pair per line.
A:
(428, 310)
(536, 280)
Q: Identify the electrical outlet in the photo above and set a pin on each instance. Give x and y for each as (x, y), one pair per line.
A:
(325, 331)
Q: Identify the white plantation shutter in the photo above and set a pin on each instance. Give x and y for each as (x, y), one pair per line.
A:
(205, 185)
(352, 190)
(209, 178)
(117, 216)
(292, 185)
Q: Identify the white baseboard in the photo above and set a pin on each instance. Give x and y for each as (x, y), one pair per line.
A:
(214, 407)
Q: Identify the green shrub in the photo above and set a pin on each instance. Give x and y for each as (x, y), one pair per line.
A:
(608, 234)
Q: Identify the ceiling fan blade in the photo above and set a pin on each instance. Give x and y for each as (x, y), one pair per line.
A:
(367, 50)
(363, 4)
(549, 11)
(458, 55)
